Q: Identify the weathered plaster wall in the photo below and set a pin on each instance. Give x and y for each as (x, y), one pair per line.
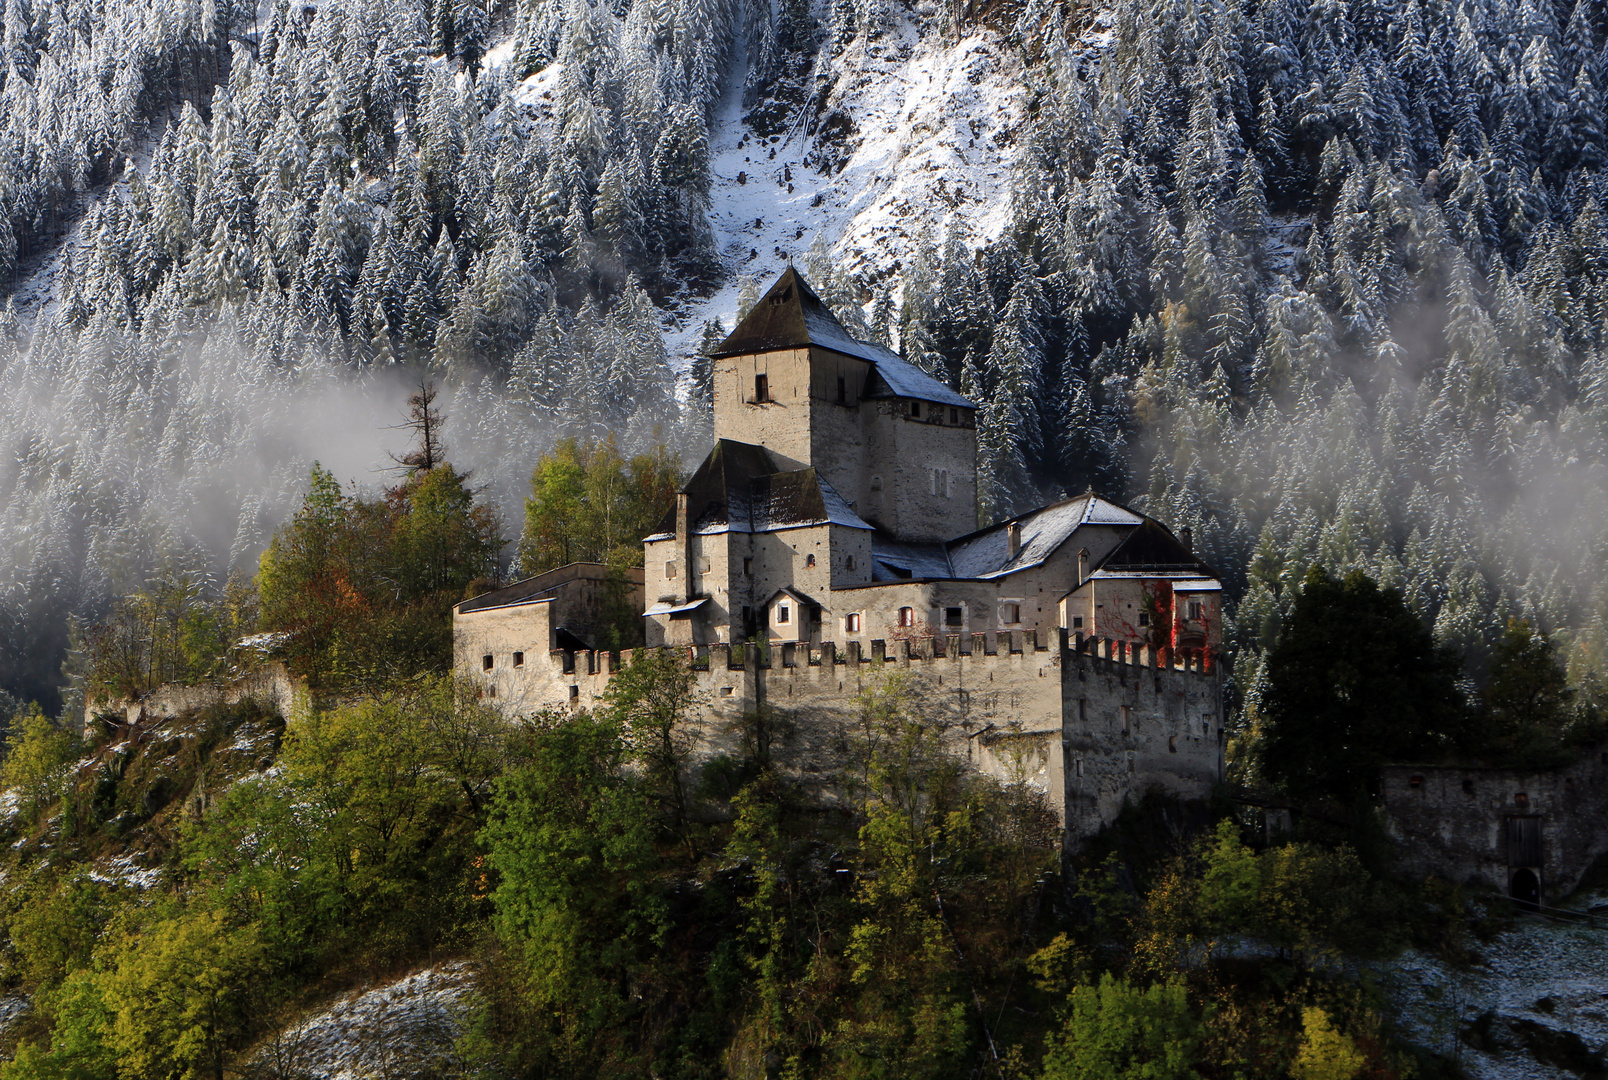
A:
(1452, 821)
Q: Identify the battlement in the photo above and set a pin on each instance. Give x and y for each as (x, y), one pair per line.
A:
(789, 656)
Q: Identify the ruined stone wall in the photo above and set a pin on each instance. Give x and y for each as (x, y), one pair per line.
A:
(1453, 820)
(271, 686)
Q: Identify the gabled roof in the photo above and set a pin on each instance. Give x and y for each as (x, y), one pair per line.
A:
(792, 316)
(738, 489)
(987, 553)
(1151, 549)
(788, 590)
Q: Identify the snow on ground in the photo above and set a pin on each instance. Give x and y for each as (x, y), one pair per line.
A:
(126, 871)
(12, 1008)
(1541, 982)
(406, 1028)
(936, 141)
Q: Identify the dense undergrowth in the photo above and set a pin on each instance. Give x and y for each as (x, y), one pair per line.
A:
(181, 889)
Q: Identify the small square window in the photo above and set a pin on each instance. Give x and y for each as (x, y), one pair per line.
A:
(575, 693)
(1010, 613)
(486, 662)
(1144, 618)
(1077, 622)
(519, 659)
(953, 616)
(851, 622)
(669, 569)
(784, 614)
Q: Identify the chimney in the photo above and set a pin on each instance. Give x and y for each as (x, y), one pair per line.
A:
(1187, 535)
(684, 541)
(1013, 537)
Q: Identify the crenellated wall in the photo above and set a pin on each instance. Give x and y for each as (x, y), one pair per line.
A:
(1089, 722)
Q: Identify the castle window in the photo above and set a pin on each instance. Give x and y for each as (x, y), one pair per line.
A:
(1010, 613)
(486, 662)
(1079, 766)
(670, 569)
(491, 691)
(851, 622)
(848, 563)
(1172, 743)
(784, 614)
(1521, 799)
(1196, 611)
(519, 659)
(953, 616)
(704, 569)
(954, 418)
(843, 390)
(809, 560)
(1077, 622)
(748, 567)
(762, 388)
(1125, 719)
(915, 409)
(1144, 618)
(907, 616)
(575, 693)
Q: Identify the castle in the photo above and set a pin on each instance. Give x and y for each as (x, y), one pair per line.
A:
(833, 526)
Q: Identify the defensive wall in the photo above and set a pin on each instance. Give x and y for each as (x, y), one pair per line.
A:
(1089, 722)
(270, 685)
(1490, 827)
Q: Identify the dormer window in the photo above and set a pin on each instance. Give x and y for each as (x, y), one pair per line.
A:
(761, 388)
(784, 614)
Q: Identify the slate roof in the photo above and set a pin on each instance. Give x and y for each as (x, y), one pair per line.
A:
(739, 489)
(792, 316)
(986, 553)
(1152, 549)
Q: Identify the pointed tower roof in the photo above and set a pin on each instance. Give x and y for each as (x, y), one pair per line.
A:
(791, 316)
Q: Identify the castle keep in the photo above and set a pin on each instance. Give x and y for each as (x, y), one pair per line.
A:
(833, 524)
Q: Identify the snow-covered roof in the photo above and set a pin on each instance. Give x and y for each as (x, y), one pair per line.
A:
(987, 553)
(792, 316)
(900, 560)
(665, 608)
(904, 379)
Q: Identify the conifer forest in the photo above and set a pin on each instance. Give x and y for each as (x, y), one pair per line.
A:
(1325, 281)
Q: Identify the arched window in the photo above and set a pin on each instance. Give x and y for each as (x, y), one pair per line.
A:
(907, 616)
(809, 560)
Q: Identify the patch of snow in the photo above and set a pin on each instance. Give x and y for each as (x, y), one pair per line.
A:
(125, 872)
(10, 805)
(12, 1009)
(1535, 975)
(936, 143)
(408, 1027)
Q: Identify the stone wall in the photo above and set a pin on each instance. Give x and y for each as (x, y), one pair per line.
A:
(270, 686)
(1021, 706)
(1454, 821)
